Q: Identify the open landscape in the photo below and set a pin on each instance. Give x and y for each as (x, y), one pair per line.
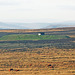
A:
(24, 52)
(37, 37)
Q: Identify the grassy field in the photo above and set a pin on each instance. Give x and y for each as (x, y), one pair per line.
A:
(62, 60)
(32, 37)
(51, 54)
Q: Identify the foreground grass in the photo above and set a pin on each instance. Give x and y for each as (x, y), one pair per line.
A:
(32, 37)
(63, 61)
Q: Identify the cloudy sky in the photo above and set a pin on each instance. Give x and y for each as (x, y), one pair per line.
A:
(28, 11)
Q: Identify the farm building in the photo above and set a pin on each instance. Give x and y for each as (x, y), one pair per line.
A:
(41, 33)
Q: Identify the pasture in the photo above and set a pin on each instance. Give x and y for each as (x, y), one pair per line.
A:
(31, 37)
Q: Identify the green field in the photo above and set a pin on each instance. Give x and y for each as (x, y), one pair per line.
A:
(32, 37)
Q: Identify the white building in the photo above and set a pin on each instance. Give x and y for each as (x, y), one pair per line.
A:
(39, 33)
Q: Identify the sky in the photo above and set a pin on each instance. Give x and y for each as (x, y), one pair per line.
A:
(37, 11)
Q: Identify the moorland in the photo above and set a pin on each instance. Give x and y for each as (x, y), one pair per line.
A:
(27, 53)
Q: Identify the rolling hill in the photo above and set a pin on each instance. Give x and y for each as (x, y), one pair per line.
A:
(61, 24)
(22, 52)
(11, 26)
(36, 25)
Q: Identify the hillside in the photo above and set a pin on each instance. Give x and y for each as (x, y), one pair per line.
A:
(25, 52)
(32, 37)
(37, 30)
(11, 26)
(4, 25)
(61, 38)
(61, 24)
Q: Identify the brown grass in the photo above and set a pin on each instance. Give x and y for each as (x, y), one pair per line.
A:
(38, 30)
(63, 61)
(72, 36)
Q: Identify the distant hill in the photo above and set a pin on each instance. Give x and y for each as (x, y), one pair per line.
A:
(11, 26)
(36, 25)
(62, 24)
(37, 30)
(22, 25)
